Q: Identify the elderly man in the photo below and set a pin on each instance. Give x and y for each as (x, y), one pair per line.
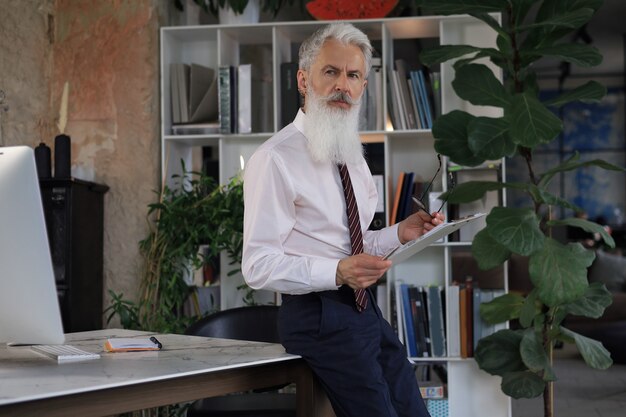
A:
(309, 198)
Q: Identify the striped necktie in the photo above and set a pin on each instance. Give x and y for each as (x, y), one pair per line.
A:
(354, 225)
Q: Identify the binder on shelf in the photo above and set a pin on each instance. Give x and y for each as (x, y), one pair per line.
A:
(289, 94)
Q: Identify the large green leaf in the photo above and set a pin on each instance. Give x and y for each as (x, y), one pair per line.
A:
(498, 353)
(521, 9)
(531, 122)
(587, 226)
(522, 384)
(489, 138)
(462, 6)
(534, 355)
(576, 53)
(492, 22)
(529, 309)
(559, 272)
(589, 92)
(471, 191)
(592, 351)
(574, 163)
(515, 228)
(544, 196)
(503, 308)
(445, 53)
(478, 84)
(487, 252)
(550, 8)
(450, 132)
(569, 20)
(593, 303)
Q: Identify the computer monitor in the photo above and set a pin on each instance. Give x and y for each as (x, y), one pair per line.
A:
(29, 306)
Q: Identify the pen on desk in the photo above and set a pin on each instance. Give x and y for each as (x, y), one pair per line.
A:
(156, 342)
(421, 206)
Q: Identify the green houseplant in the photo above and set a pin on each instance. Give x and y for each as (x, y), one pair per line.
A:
(530, 30)
(238, 6)
(194, 212)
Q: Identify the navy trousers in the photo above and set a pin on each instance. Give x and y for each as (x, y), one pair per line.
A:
(357, 356)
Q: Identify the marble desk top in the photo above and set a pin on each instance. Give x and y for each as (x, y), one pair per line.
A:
(26, 375)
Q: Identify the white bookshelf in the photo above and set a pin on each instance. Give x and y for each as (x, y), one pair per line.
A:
(472, 393)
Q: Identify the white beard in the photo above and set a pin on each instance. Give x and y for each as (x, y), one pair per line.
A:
(332, 133)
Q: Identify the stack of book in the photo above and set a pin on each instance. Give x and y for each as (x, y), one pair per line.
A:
(466, 327)
(421, 322)
(415, 96)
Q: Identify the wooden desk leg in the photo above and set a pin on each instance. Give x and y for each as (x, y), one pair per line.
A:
(311, 400)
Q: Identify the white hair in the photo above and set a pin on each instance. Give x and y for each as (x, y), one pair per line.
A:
(345, 33)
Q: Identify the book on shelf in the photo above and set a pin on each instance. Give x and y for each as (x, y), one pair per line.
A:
(393, 217)
(406, 200)
(225, 99)
(436, 322)
(466, 312)
(409, 317)
(432, 390)
(289, 94)
(402, 73)
(399, 113)
(420, 320)
(419, 104)
(244, 98)
(454, 324)
(375, 114)
(399, 308)
(194, 93)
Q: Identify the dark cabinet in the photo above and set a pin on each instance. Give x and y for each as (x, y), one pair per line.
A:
(74, 212)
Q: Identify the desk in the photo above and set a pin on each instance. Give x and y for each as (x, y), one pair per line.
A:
(188, 368)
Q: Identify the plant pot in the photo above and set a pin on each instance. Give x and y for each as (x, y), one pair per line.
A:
(251, 14)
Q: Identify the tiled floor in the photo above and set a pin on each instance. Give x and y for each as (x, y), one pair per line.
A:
(581, 391)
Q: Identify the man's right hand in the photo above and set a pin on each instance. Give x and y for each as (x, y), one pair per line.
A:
(361, 271)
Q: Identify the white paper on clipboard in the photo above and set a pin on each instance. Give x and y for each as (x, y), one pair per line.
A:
(411, 248)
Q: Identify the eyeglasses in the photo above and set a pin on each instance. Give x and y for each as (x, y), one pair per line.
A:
(451, 183)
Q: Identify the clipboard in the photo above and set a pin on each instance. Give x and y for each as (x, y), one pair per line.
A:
(409, 249)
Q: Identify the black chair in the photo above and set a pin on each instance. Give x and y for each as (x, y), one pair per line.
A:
(256, 323)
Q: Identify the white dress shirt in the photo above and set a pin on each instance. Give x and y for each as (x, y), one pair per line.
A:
(295, 223)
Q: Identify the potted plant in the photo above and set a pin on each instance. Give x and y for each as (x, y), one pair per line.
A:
(238, 11)
(195, 212)
(531, 29)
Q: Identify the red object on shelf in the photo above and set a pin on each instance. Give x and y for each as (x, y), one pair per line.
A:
(350, 9)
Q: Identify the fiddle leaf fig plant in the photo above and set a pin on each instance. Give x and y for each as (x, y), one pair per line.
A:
(530, 30)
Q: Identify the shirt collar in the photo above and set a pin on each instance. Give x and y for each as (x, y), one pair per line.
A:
(298, 122)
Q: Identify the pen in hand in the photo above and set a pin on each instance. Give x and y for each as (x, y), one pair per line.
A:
(421, 206)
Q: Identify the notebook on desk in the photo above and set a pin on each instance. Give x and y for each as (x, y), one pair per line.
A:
(409, 249)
